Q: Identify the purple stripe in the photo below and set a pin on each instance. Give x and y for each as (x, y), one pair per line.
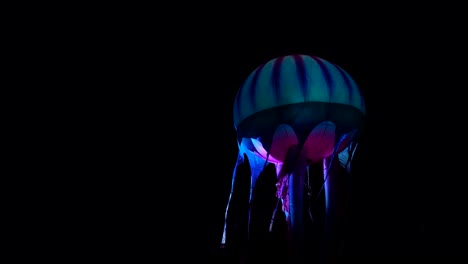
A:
(275, 78)
(348, 84)
(301, 74)
(326, 73)
(253, 86)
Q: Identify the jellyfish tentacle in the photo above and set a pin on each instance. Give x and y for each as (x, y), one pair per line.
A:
(335, 173)
(240, 160)
(335, 200)
(283, 139)
(279, 191)
(256, 167)
(295, 197)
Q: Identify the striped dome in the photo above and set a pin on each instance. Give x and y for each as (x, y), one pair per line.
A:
(295, 79)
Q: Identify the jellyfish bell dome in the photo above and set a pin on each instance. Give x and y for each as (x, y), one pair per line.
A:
(298, 99)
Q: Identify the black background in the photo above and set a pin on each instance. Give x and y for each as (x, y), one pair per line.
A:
(160, 142)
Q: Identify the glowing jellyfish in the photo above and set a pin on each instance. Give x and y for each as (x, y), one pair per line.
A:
(295, 111)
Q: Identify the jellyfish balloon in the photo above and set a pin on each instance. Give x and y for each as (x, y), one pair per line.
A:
(296, 111)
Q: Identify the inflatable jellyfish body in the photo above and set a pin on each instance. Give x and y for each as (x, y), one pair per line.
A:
(294, 111)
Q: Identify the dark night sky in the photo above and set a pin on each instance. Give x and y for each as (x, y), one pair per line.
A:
(170, 142)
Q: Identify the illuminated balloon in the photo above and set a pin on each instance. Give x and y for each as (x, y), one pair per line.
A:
(295, 111)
